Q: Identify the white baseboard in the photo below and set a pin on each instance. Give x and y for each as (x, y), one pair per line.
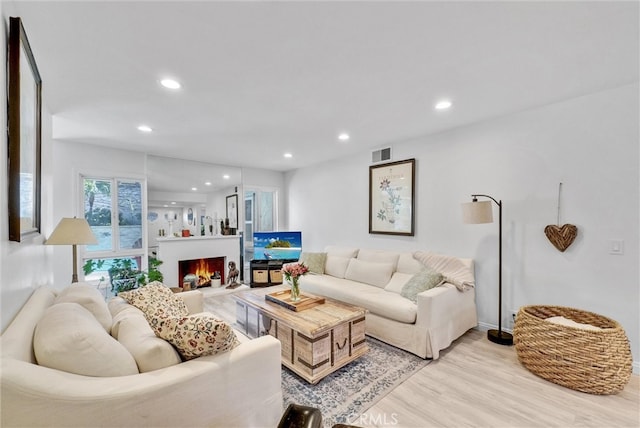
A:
(484, 327)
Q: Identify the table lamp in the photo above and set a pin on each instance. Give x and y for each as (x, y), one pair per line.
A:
(475, 212)
(72, 231)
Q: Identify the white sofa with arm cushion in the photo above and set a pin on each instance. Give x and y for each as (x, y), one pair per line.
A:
(378, 281)
(69, 359)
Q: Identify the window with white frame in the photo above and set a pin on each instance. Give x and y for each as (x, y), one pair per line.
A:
(114, 208)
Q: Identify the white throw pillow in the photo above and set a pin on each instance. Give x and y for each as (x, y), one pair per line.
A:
(371, 273)
(91, 299)
(335, 250)
(398, 280)
(149, 351)
(379, 256)
(407, 264)
(336, 266)
(69, 338)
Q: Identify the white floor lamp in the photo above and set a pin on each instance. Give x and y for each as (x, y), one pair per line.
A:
(475, 212)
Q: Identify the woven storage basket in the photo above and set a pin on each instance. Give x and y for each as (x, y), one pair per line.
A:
(597, 362)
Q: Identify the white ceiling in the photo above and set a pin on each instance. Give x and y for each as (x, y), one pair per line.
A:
(264, 78)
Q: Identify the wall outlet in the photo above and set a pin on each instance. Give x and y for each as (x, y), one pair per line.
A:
(513, 317)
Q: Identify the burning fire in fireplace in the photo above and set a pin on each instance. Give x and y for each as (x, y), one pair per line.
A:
(204, 270)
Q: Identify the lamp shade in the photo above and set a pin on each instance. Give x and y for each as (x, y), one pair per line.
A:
(72, 231)
(477, 212)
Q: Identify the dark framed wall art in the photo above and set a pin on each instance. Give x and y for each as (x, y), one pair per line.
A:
(24, 88)
(232, 211)
(391, 198)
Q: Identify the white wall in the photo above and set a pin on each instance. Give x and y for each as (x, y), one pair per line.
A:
(26, 265)
(70, 160)
(589, 143)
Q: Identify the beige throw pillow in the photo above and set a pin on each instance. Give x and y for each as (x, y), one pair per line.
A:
(197, 335)
(314, 261)
(69, 338)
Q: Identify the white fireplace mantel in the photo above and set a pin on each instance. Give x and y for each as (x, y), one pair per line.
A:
(172, 250)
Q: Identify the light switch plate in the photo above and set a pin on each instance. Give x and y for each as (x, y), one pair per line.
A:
(616, 247)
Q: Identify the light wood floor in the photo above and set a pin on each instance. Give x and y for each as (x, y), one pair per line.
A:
(476, 383)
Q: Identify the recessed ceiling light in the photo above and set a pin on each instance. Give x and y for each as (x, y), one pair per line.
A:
(194, 188)
(207, 183)
(170, 83)
(144, 128)
(443, 105)
(173, 203)
(343, 136)
(288, 155)
(226, 176)
(166, 206)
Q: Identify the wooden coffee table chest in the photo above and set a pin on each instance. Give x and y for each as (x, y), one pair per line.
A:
(316, 341)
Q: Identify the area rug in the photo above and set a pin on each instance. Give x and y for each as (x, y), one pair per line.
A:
(344, 395)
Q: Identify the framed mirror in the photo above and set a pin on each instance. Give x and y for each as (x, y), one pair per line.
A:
(24, 87)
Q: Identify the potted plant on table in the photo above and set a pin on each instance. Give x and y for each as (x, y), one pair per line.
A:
(123, 274)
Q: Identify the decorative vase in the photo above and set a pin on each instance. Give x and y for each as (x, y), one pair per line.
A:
(295, 289)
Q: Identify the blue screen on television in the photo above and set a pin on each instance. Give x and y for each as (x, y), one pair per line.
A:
(277, 245)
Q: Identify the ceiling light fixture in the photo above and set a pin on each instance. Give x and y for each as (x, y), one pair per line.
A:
(144, 128)
(443, 105)
(170, 84)
(226, 176)
(194, 188)
(343, 137)
(173, 203)
(207, 183)
(288, 155)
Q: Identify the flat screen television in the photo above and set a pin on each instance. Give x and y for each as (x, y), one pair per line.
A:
(285, 246)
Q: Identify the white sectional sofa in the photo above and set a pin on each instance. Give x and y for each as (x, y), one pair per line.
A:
(151, 387)
(373, 279)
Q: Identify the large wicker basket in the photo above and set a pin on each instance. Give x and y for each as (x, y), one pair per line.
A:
(597, 362)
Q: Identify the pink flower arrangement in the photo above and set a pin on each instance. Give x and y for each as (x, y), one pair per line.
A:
(294, 271)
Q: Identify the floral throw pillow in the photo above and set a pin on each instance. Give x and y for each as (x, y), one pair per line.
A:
(156, 302)
(425, 279)
(197, 335)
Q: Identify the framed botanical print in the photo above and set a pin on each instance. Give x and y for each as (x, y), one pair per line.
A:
(24, 88)
(391, 198)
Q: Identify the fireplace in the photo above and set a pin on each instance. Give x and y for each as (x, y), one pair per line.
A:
(203, 269)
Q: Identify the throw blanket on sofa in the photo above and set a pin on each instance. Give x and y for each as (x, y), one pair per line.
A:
(454, 271)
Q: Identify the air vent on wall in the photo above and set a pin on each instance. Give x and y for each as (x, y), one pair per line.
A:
(381, 155)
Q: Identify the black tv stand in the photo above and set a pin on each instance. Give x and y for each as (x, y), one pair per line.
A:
(264, 273)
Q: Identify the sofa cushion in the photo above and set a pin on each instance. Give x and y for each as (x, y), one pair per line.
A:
(156, 301)
(426, 279)
(197, 335)
(149, 351)
(122, 315)
(372, 273)
(408, 264)
(91, 299)
(314, 261)
(378, 301)
(379, 256)
(397, 281)
(69, 338)
(335, 250)
(336, 266)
